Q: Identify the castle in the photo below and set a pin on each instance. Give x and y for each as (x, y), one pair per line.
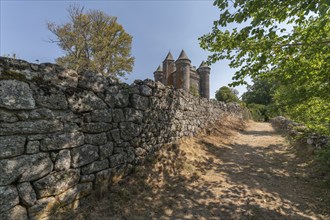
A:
(182, 75)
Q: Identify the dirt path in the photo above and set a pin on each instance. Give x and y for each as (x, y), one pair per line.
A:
(252, 174)
(261, 177)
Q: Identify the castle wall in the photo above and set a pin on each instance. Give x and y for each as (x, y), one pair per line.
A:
(204, 82)
(168, 68)
(194, 81)
(183, 74)
(64, 136)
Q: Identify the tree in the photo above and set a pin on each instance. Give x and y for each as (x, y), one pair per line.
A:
(225, 94)
(260, 92)
(259, 99)
(263, 43)
(93, 41)
(284, 41)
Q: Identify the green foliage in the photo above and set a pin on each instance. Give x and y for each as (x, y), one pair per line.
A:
(261, 92)
(93, 41)
(286, 42)
(194, 90)
(314, 112)
(259, 99)
(265, 42)
(258, 112)
(225, 94)
(323, 159)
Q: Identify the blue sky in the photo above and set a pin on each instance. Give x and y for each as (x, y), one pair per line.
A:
(156, 26)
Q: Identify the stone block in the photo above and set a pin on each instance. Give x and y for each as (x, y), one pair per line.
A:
(84, 101)
(96, 139)
(8, 198)
(118, 159)
(112, 89)
(43, 208)
(101, 115)
(7, 116)
(49, 97)
(133, 115)
(118, 150)
(84, 155)
(25, 168)
(16, 95)
(145, 90)
(134, 89)
(18, 212)
(139, 102)
(87, 178)
(130, 154)
(129, 130)
(77, 192)
(32, 147)
(150, 83)
(95, 127)
(106, 150)
(59, 76)
(26, 193)
(63, 160)
(92, 81)
(120, 99)
(62, 141)
(11, 146)
(95, 166)
(118, 115)
(30, 127)
(35, 137)
(103, 176)
(120, 172)
(135, 142)
(56, 182)
(115, 133)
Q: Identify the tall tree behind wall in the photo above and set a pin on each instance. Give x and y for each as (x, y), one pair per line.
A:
(93, 41)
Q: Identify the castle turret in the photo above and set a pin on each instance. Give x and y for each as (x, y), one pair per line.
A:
(168, 69)
(183, 71)
(204, 73)
(158, 74)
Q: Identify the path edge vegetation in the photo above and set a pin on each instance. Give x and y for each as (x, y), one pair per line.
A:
(283, 42)
(283, 46)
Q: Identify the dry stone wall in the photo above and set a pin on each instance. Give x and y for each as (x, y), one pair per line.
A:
(294, 129)
(64, 135)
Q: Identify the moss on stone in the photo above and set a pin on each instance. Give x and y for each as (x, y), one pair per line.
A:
(38, 79)
(7, 74)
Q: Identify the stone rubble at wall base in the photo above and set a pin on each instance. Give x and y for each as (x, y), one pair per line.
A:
(64, 135)
(293, 129)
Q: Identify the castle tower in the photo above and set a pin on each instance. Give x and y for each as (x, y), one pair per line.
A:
(168, 69)
(204, 72)
(183, 71)
(158, 74)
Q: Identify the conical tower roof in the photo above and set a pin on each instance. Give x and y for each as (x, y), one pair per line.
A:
(203, 64)
(183, 56)
(169, 56)
(159, 69)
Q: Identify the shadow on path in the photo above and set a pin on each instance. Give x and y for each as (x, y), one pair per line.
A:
(253, 176)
